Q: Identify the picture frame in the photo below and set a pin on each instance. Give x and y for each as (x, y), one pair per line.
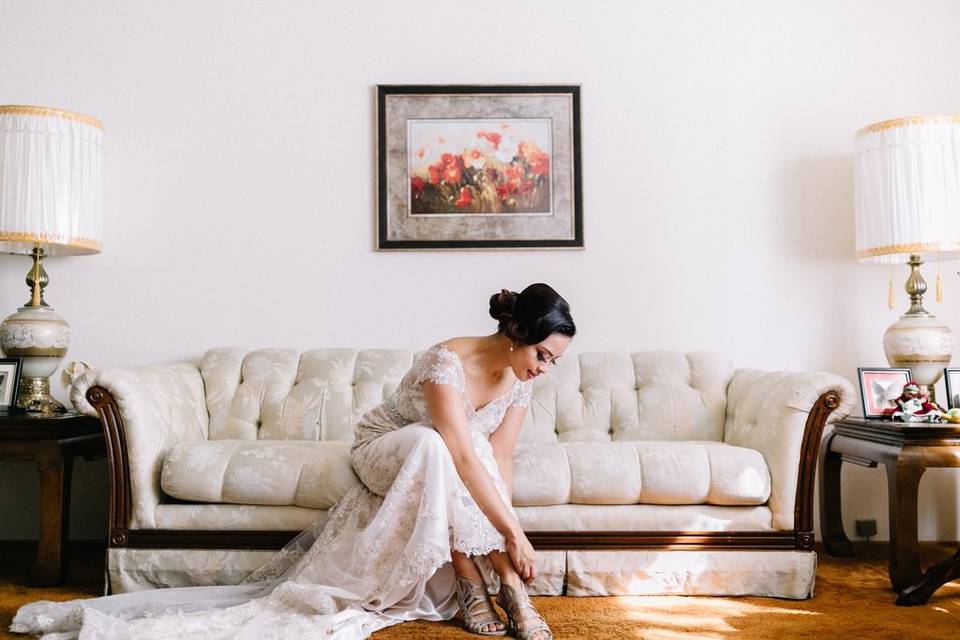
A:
(879, 387)
(478, 167)
(951, 377)
(10, 369)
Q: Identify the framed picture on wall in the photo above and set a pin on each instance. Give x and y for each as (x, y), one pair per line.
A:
(478, 167)
(9, 384)
(951, 377)
(879, 387)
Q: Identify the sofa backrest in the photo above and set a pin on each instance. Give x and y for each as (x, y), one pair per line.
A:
(283, 394)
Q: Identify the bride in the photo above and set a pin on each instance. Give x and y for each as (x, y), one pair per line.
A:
(413, 541)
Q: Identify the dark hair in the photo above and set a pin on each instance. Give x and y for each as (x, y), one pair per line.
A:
(531, 315)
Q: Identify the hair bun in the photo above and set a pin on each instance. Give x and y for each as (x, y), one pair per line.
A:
(503, 305)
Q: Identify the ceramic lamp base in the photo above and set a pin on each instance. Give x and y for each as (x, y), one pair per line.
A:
(922, 343)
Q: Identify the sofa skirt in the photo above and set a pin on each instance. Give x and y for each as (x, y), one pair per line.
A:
(779, 574)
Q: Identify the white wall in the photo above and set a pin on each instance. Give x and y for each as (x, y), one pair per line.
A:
(717, 176)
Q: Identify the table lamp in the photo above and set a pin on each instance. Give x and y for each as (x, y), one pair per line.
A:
(907, 186)
(51, 204)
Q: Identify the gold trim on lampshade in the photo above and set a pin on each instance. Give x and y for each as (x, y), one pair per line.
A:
(907, 249)
(907, 189)
(25, 109)
(31, 240)
(51, 192)
(899, 122)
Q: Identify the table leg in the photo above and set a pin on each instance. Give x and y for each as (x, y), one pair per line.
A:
(55, 472)
(934, 578)
(835, 541)
(902, 484)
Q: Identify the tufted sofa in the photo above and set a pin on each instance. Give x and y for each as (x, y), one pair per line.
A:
(643, 473)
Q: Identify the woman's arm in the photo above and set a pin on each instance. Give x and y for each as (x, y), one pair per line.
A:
(445, 405)
(503, 439)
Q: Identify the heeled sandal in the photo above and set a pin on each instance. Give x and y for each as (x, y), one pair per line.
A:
(517, 604)
(476, 608)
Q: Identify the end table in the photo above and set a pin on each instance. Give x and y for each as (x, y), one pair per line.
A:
(52, 441)
(906, 451)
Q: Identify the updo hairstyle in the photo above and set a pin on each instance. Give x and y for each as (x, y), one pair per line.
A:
(532, 315)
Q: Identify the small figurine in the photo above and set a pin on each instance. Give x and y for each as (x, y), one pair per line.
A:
(913, 406)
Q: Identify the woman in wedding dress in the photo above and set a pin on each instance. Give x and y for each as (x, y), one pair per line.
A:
(434, 459)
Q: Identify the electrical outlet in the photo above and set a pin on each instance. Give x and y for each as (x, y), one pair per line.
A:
(866, 528)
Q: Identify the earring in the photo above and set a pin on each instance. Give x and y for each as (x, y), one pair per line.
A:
(511, 346)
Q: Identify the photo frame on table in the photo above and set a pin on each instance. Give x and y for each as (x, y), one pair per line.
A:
(478, 167)
(9, 384)
(879, 387)
(951, 377)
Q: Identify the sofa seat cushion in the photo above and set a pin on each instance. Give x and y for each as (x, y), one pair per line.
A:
(315, 474)
(644, 472)
(304, 473)
(644, 517)
(237, 517)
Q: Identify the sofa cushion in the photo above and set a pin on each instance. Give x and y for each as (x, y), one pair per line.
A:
(316, 474)
(644, 517)
(237, 517)
(269, 472)
(643, 472)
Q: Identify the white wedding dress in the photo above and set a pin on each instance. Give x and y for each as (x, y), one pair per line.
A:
(382, 557)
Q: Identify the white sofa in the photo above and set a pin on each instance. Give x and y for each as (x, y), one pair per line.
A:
(645, 473)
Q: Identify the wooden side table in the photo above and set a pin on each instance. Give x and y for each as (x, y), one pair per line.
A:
(52, 442)
(906, 451)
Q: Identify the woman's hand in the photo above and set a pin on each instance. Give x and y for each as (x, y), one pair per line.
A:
(522, 555)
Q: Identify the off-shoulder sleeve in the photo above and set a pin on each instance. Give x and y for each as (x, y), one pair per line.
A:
(441, 366)
(522, 393)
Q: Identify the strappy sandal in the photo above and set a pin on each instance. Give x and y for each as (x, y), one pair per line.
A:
(526, 625)
(476, 608)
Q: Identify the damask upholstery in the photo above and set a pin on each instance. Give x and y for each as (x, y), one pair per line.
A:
(767, 412)
(161, 407)
(317, 474)
(273, 427)
(649, 441)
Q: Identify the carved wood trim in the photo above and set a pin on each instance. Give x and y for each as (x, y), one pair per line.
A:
(543, 540)
(117, 460)
(809, 452)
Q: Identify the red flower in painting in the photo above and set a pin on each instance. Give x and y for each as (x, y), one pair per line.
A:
(504, 190)
(490, 136)
(539, 161)
(417, 184)
(514, 173)
(451, 173)
(540, 164)
(436, 172)
(465, 198)
(446, 159)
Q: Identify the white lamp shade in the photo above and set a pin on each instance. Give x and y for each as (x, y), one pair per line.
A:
(51, 186)
(907, 187)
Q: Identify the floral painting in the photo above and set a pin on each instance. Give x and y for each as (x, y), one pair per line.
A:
(479, 166)
(471, 166)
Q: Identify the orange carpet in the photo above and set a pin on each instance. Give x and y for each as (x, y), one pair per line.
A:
(853, 600)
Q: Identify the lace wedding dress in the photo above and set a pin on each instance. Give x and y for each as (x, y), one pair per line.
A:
(382, 557)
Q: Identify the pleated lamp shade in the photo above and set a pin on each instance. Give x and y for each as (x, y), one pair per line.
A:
(51, 191)
(907, 187)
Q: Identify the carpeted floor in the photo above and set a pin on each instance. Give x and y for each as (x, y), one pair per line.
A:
(853, 600)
